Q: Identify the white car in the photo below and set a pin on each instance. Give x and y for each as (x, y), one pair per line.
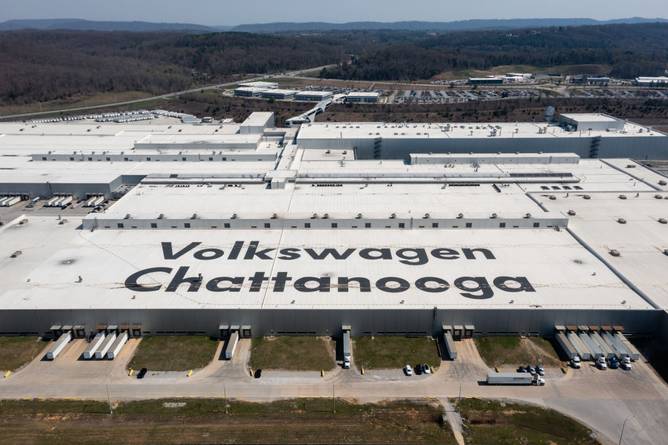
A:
(600, 363)
(575, 362)
(408, 370)
(626, 366)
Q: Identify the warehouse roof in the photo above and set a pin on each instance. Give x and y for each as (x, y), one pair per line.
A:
(553, 269)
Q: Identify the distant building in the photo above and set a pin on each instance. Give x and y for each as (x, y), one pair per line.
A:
(363, 97)
(278, 94)
(313, 96)
(585, 79)
(249, 91)
(652, 81)
(260, 84)
(492, 80)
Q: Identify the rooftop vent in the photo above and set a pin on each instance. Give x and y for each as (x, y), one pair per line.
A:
(658, 197)
(359, 216)
(621, 221)
(460, 216)
(393, 216)
(494, 216)
(426, 216)
(571, 212)
(663, 221)
(274, 216)
(622, 196)
(662, 182)
(615, 253)
(586, 197)
(234, 216)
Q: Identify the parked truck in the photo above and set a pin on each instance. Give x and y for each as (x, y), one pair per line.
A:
(231, 346)
(347, 354)
(514, 378)
(59, 345)
(89, 353)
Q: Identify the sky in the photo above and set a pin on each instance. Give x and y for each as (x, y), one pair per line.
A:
(235, 12)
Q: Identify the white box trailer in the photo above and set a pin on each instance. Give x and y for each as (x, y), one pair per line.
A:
(449, 343)
(566, 346)
(581, 348)
(2, 200)
(595, 349)
(52, 201)
(59, 345)
(510, 378)
(633, 352)
(117, 346)
(615, 344)
(231, 346)
(607, 350)
(105, 346)
(89, 353)
(100, 200)
(12, 201)
(65, 201)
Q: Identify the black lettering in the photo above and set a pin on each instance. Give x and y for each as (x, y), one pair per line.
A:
(445, 254)
(440, 284)
(482, 286)
(379, 254)
(235, 284)
(327, 252)
(324, 284)
(289, 254)
(364, 284)
(414, 257)
(132, 284)
(280, 280)
(168, 251)
(257, 280)
(469, 254)
(208, 254)
(382, 284)
(521, 284)
(180, 278)
(236, 250)
(252, 252)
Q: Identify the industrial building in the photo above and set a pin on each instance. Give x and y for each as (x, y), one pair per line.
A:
(279, 94)
(362, 97)
(660, 81)
(162, 227)
(491, 80)
(313, 96)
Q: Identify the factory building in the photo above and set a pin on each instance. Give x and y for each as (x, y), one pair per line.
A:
(279, 94)
(313, 96)
(660, 81)
(491, 80)
(305, 230)
(363, 97)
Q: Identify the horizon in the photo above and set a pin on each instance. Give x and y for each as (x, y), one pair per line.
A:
(213, 13)
(408, 20)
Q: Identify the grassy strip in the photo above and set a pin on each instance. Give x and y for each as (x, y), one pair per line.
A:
(386, 352)
(292, 353)
(489, 422)
(17, 351)
(507, 350)
(185, 421)
(174, 353)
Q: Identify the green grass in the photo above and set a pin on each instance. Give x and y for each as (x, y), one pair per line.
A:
(292, 353)
(17, 351)
(386, 352)
(193, 421)
(489, 422)
(508, 350)
(174, 353)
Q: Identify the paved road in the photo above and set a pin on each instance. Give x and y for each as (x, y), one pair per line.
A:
(148, 99)
(601, 399)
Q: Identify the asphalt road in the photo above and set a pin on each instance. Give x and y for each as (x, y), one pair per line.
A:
(603, 400)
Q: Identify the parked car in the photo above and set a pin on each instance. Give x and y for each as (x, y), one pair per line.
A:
(418, 369)
(540, 370)
(426, 368)
(408, 370)
(257, 374)
(531, 370)
(521, 369)
(575, 362)
(142, 372)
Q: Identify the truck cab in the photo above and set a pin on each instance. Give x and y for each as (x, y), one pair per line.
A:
(575, 362)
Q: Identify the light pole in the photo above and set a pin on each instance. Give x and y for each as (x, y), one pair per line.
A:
(621, 434)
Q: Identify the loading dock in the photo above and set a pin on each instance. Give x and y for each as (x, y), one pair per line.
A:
(458, 332)
(605, 348)
(633, 352)
(596, 351)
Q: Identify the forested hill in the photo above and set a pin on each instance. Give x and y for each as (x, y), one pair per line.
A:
(630, 50)
(48, 65)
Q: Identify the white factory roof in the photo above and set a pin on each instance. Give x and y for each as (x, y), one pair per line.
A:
(373, 130)
(562, 273)
(589, 117)
(363, 94)
(259, 84)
